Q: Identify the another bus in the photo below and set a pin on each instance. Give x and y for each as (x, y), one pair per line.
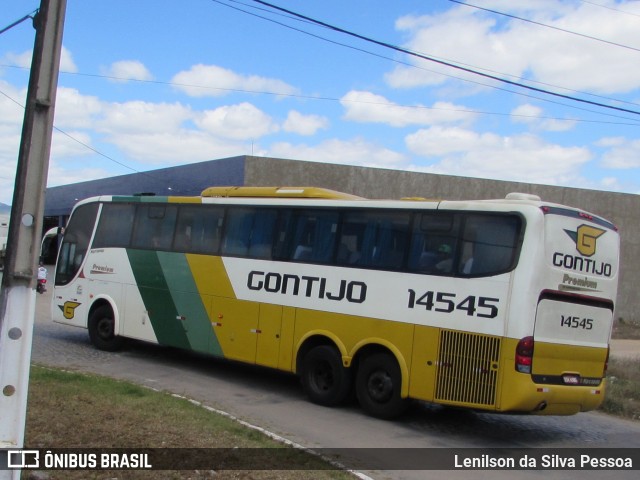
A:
(499, 305)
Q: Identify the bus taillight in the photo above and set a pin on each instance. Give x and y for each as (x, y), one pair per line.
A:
(524, 355)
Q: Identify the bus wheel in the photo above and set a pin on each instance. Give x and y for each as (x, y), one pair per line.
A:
(378, 386)
(101, 330)
(324, 379)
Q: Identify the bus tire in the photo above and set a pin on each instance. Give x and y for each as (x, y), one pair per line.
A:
(101, 330)
(325, 381)
(378, 386)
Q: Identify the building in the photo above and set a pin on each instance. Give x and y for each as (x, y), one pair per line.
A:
(191, 179)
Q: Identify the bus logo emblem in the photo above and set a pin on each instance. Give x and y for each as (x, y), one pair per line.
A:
(585, 239)
(69, 309)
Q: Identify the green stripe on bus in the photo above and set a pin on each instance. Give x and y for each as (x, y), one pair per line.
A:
(158, 303)
(191, 309)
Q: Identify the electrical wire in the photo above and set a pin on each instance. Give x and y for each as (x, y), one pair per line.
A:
(540, 24)
(18, 22)
(468, 80)
(619, 101)
(447, 63)
(630, 122)
(610, 8)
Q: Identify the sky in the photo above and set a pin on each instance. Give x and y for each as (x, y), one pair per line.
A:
(148, 84)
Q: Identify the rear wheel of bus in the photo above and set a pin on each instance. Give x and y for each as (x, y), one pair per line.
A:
(378, 386)
(324, 379)
(102, 330)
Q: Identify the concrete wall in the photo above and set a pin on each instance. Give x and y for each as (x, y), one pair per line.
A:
(622, 209)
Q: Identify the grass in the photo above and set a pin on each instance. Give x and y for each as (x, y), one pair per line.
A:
(623, 376)
(73, 410)
(623, 389)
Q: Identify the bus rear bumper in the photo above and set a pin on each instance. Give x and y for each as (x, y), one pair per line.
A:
(543, 399)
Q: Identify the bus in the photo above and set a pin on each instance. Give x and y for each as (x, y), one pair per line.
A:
(500, 305)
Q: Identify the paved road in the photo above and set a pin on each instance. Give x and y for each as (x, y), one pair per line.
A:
(275, 401)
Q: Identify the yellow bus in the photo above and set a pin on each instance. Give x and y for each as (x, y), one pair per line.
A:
(499, 305)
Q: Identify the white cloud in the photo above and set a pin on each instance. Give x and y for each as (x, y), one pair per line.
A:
(301, 124)
(368, 107)
(24, 60)
(143, 117)
(533, 116)
(622, 153)
(75, 110)
(64, 176)
(69, 144)
(213, 81)
(11, 104)
(238, 122)
(477, 40)
(526, 158)
(179, 147)
(128, 70)
(357, 151)
(66, 61)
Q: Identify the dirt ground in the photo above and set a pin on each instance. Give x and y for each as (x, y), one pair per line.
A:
(625, 348)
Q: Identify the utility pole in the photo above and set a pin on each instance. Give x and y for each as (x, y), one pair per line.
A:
(18, 297)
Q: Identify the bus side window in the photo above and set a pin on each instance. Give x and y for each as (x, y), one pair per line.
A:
(373, 239)
(249, 232)
(198, 229)
(492, 242)
(114, 228)
(154, 226)
(311, 236)
(434, 243)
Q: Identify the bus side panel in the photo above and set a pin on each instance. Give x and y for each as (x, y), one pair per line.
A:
(268, 335)
(424, 363)
(236, 328)
(70, 305)
(177, 312)
(286, 360)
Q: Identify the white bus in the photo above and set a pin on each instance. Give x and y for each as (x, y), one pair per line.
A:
(500, 305)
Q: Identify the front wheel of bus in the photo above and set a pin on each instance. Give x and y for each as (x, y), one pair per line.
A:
(378, 386)
(101, 330)
(324, 379)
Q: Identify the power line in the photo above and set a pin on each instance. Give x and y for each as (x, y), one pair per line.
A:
(610, 8)
(590, 37)
(446, 63)
(619, 101)
(18, 22)
(342, 100)
(495, 87)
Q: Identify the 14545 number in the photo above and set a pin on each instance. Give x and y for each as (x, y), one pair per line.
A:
(484, 307)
